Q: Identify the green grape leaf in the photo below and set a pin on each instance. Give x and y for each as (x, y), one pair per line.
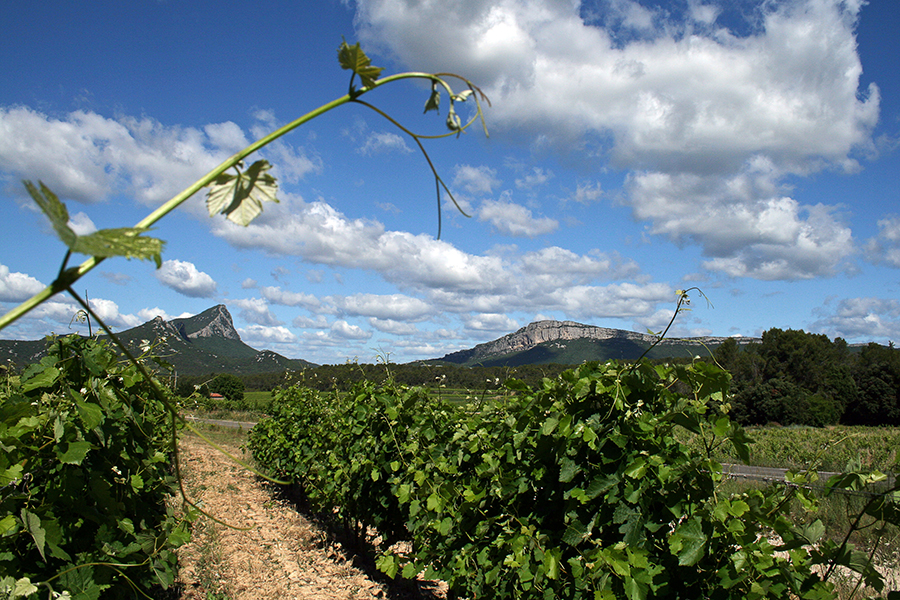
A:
(75, 453)
(32, 524)
(687, 542)
(55, 211)
(354, 59)
(122, 241)
(23, 588)
(43, 379)
(91, 414)
(552, 559)
(239, 197)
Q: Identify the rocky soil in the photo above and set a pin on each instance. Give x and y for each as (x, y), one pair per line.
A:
(282, 555)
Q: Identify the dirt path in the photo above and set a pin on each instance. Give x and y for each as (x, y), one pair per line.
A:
(282, 556)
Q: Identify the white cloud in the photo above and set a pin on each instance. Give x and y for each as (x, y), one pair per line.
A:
(490, 322)
(320, 322)
(228, 136)
(586, 193)
(886, 246)
(536, 178)
(17, 287)
(320, 234)
(345, 330)
(148, 314)
(865, 319)
(385, 141)
(674, 99)
(438, 276)
(184, 278)
(256, 310)
(558, 267)
(515, 220)
(743, 224)
(109, 313)
(81, 224)
(276, 295)
(387, 306)
(259, 335)
(392, 327)
(87, 157)
(475, 180)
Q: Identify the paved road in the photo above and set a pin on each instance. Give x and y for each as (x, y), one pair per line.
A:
(776, 474)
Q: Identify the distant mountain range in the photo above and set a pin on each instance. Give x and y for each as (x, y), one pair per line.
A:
(567, 342)
(208, 343)
(202, 344)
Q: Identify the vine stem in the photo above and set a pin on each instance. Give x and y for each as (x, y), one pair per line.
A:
(67, 277)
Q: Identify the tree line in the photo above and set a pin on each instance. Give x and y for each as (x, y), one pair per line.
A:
(790, 377)
(796, 378)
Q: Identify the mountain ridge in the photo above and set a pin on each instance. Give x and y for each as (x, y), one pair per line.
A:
(204, 343)
(549, 341)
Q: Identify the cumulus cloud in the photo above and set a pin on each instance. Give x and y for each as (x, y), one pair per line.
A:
(386, 306)
(148, 314)
(866, 319)
(555, 267)
(57, 314)
(17, 287)
(82, 224)
(319, 233)
(586, 193)
(109, 312)
(256, 310)
(184, 278)
(262, 336)
(479, 180)
(345, 330)
(514, 219)
(384, 141)
(393, 327)
(885, 248)
(320, 322)
(87, 157)
(672, 98)
(276, 295)
(742, 223)
(490, 322)
(439, 276)
(537, 177)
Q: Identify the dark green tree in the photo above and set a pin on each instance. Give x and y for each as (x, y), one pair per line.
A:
(229, 386)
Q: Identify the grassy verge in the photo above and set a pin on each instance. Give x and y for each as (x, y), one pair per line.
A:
(834, 449)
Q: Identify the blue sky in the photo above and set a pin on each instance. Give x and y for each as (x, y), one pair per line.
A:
(749, 148)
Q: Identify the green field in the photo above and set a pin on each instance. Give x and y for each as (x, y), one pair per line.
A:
(824, 449)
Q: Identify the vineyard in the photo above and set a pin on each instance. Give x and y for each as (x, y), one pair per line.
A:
(578, 488)
(583, 486)
(86, 479)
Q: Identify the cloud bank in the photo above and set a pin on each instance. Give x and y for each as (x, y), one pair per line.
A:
(708, 121)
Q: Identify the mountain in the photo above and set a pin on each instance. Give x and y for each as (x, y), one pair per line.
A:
(204, 343)
(567, 342)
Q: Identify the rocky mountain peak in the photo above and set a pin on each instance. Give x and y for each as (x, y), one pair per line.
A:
(218, 323)
(548, 331)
